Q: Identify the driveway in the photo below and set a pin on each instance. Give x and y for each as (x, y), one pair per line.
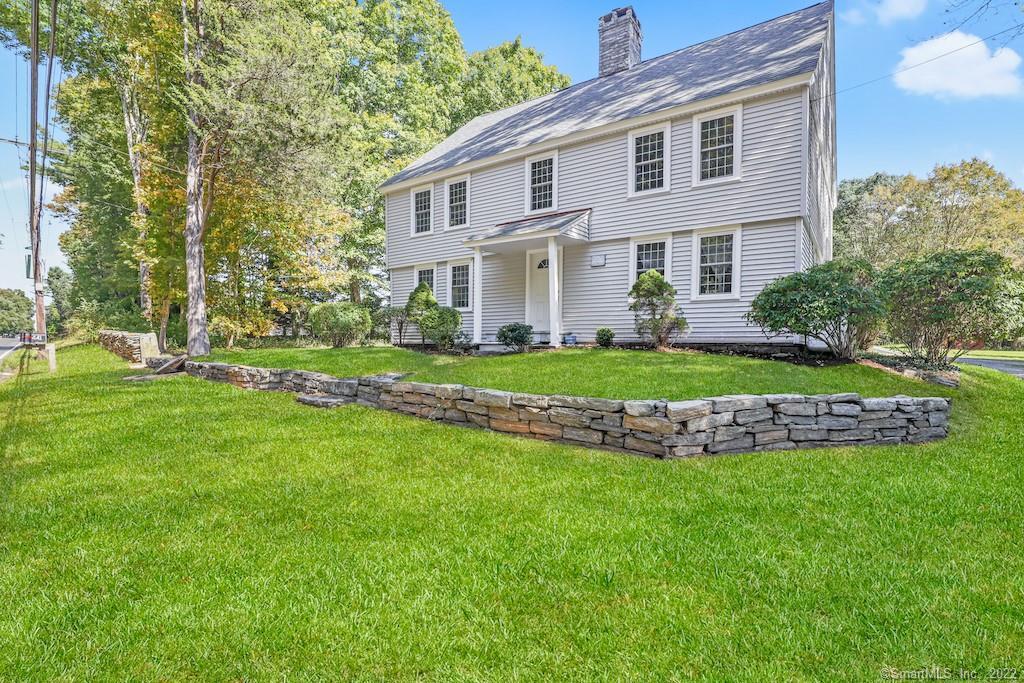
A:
(1010, 367)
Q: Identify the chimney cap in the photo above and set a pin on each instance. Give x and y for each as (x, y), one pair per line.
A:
(620, 12)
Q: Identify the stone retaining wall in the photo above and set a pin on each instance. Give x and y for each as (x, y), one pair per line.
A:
(135, 347)
(665, 429)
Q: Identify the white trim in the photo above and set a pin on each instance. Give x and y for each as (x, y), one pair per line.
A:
(553, 155)
(665, 237)
(514, 238)
(447, 197)
(763, 90)
(665, 128)
(478, 298)
(737, 145)
(412, 210)
(416, 274)
(554, 293)
(448, 287)
(805, 157)
(737, 258)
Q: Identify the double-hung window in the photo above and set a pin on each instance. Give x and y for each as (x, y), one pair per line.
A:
(425, 274)
(458, 293)
(651, 253)
(717, 146)
(649, 159)
(541, 183)
(716, 264)
(422, 210)
(458, 202)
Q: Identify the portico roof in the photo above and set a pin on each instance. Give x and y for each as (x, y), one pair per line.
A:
(573, 225)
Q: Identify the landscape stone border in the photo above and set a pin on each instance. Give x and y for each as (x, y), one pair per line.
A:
(660, 428)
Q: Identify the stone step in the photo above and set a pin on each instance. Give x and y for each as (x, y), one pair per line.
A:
(324, 400)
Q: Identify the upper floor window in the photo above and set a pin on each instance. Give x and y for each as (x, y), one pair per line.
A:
(425, 274)
(422, 210)
(649, 159)
(716, 264)
(541, 183)
(458, 202)
(650, 253)
(459, 293)
(717, 146)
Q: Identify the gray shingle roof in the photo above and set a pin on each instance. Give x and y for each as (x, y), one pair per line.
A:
(574, 224)
(786, 46)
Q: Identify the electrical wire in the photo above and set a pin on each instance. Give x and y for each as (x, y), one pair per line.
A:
(914, 66)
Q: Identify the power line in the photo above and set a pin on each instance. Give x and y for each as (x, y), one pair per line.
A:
(46, 110)
(914, 66)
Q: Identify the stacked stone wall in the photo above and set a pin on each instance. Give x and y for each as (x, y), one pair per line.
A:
(135, 347)
(660, 428)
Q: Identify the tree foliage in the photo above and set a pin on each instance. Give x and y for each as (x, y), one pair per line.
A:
(967, 205)
(656, 314)
(505, 75)
(939, 305)
(15, 312)
(297, 110)
(835, 303)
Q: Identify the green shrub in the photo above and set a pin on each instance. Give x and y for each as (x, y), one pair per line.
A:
(605, 336)
(939, 305)
(340, 324)
(835, 302)
(516, 336)
(441, 325)
(420, 301)
(653, 302)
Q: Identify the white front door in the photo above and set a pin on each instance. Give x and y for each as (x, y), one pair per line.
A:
(538, 309)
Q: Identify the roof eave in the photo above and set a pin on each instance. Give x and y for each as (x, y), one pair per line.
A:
(761, 90)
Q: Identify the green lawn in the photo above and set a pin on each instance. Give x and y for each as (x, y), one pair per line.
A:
(593, 372)
(182, 529)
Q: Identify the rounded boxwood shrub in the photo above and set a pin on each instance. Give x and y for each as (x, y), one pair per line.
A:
(835, 303)
(605, 336)
(517, 336)
(441, 325)
(341, 323)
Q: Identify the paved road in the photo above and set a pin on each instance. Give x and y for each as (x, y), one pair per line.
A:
(1010, 367)
(7, 344)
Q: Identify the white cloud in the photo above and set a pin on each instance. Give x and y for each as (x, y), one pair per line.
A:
(854, 15)
(972, 71)
(889, 11)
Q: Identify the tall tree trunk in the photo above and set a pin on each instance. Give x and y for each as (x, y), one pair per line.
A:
(135, 134)
(355, 292)
(165, 316)
(195, 206)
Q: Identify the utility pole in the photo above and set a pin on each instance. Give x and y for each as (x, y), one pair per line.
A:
(33, 216)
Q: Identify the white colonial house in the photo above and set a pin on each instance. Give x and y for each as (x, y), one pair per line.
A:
(714, 164)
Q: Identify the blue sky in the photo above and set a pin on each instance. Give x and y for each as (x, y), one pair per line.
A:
(968, 103)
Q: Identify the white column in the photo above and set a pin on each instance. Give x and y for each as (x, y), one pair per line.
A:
(478, 295)
(554, 293)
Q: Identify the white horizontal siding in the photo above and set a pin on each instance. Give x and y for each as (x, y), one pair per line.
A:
(599, 296)
(593, 174)
(504, 292)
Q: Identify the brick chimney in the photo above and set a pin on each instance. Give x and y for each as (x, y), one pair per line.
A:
(619, 39)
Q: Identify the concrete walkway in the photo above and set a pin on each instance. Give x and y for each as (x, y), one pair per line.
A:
(1010, 367)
